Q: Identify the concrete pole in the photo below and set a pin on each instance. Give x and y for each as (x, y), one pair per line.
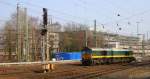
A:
(22, 35)
(43, 48)
(17, 34)
(147, 35)
(86, 38)
(137, 28)
(95, 35)
(47, 46)
(143, 44)
(19, 49)
(26, 37)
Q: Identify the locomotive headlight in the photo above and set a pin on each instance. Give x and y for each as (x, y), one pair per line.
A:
(86, 56)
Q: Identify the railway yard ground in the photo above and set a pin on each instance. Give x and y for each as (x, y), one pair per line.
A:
(77, 71)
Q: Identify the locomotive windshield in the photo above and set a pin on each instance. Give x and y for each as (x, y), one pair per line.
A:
(86, 50)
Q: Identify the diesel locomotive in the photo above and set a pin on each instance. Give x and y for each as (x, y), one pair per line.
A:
(91, 56)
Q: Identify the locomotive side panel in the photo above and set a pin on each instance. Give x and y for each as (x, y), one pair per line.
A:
(106, 56)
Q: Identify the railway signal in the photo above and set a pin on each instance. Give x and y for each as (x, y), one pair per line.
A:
(44, 29)
(45, 48)
(44, 16)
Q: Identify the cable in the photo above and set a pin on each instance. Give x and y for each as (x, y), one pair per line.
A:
(63, 13)
(6, 3)
(35, 5)
(95, 9)
(80, 17)
(35, 11)
(59, 18)
(129, 17)
(2, 20)
(82, 1)
(83, 6)
(116, 6)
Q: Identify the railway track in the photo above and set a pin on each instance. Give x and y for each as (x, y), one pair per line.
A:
(71, 71)
(92, 72)
(86, 72)
(95, 73)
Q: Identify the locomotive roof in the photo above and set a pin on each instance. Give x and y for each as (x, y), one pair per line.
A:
(109, 49)
(101, 49)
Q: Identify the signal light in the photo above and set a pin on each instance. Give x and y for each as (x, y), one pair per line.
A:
(44, 16)
(43, 31)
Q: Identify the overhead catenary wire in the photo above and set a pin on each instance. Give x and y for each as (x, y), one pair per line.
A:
(38, 6)
(55, 17)
(129, 17)
(115, 6)
(62, 13)
(79, 4)
(3, 20)
(36, 11)
(93, 8)
(118, 7)
(6, 3)
(82, 1)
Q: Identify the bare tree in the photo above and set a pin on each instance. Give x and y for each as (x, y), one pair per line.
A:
(34, 38)
(73, 37)
(69, 27)
(10, 37)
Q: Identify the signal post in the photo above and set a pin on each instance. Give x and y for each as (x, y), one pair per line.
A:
(45, 48)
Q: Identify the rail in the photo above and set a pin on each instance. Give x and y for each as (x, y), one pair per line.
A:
(41, 62)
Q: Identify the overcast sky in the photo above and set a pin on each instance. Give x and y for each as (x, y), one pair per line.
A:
(85, 11)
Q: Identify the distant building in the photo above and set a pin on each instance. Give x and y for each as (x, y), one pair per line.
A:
(139, 47)
(2, 43)
(53, 36)
(53, 41)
